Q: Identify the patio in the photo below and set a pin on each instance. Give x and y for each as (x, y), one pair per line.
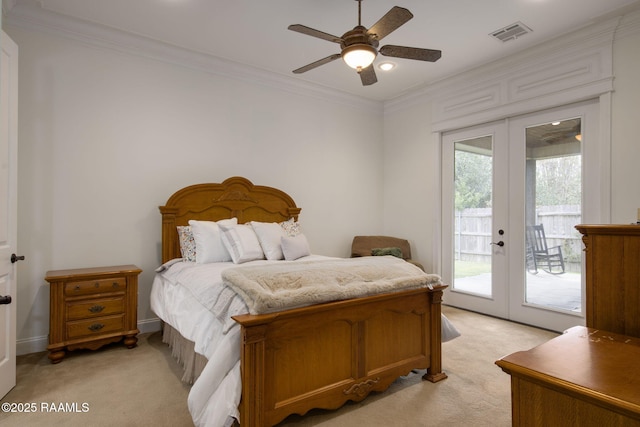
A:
(556, 291)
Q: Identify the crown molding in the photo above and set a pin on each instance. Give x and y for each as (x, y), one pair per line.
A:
(629, 25)
(31, 16)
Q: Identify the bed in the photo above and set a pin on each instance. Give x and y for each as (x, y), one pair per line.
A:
(261, 368)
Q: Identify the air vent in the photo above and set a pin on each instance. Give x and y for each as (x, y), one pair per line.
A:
(511, 32)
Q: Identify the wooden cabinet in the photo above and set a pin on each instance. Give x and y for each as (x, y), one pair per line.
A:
(584, 377)
(612, 277)
(91, 307)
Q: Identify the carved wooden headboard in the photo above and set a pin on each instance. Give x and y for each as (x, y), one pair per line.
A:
(235, 197)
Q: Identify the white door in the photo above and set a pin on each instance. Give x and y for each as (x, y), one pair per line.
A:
(475, 218)
(551, 192)
(505, 181)
(8, 210)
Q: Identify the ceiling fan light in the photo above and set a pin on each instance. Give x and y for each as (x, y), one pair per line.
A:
(359, 56)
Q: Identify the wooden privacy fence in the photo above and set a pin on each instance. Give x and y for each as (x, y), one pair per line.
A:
(473, 235)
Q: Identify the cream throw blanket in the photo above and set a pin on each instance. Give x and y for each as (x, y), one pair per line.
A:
(285, 285)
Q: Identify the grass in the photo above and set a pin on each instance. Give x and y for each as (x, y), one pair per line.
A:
(470, 268)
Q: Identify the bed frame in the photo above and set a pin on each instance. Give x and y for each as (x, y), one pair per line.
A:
(319, 356)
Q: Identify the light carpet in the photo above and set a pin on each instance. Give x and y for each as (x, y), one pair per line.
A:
(141, 386)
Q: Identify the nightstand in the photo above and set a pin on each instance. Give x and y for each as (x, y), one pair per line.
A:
(91, 307)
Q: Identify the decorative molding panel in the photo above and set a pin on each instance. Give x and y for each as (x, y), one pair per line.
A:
(562, 71)
(471, 101)
(559, 74)
(567, 69)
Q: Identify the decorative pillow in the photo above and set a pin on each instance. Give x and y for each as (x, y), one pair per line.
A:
(209, 246)
(291, 227)
(187, 243)
(295, 247)
(241, 242)
(396, 252)
(269, 234)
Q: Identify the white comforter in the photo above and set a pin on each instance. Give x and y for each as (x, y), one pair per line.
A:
(193, 299)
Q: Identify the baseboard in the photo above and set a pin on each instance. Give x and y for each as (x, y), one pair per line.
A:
(31, 345)
(149, 325)
(38, 344)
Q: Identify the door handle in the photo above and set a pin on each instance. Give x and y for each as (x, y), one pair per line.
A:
(5, 299)
(15, 258)
(500, 243)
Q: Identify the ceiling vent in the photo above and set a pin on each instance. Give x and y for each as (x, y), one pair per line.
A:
(511, 32)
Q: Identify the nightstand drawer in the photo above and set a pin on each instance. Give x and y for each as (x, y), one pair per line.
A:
(98, 326)
(116, 284)
(95, 308)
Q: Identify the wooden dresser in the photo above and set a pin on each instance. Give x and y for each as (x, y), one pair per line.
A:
(585, 377)
(91, 307)
(612, 277)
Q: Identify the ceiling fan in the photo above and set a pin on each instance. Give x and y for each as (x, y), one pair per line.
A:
(359, 46)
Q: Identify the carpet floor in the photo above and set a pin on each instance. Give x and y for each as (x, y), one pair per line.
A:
(141, 387)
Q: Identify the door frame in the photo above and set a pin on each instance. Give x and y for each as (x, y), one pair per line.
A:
(8, 230)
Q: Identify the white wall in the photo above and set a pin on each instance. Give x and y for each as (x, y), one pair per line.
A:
(625, 112)
(106, 137)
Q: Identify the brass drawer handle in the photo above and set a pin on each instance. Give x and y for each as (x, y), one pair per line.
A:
(96, 327)
(96, 308)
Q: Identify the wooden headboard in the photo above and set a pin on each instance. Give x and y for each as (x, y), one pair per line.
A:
(235, 197)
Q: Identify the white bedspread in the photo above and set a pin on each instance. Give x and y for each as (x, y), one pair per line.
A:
(194, 300)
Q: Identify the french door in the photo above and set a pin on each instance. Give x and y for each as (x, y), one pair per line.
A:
(513, 191)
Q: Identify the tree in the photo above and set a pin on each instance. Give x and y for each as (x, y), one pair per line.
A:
(472, 180)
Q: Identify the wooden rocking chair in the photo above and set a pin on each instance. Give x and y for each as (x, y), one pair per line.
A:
(539, 255)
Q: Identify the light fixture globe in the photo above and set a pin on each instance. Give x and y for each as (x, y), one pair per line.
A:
(359, 56)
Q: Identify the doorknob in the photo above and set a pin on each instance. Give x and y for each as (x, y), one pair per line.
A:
(5, 299)
(500, 243)
(15, 258)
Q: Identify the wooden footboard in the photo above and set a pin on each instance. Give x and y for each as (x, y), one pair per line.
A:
(324, 355)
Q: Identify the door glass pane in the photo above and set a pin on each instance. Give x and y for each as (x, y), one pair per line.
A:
(552, 209)
(473, 215)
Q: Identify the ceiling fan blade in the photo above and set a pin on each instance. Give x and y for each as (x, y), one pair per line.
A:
(368, 76)
(317, 63)
(314, 33)
(389, 22)
(430, 55)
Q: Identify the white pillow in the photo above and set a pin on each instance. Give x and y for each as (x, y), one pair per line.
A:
(269, 234)
(209, 246)
(295, 247)
(241, 242)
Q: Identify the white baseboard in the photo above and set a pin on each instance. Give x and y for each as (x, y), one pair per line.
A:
(38, 344)
(32, 345)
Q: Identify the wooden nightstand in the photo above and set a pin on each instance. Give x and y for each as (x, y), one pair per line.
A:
(91, 307)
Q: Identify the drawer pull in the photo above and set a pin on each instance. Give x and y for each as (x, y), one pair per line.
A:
(96, 327)
(97, 284)
(96, 308)
(77, 288)
(115, 284)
